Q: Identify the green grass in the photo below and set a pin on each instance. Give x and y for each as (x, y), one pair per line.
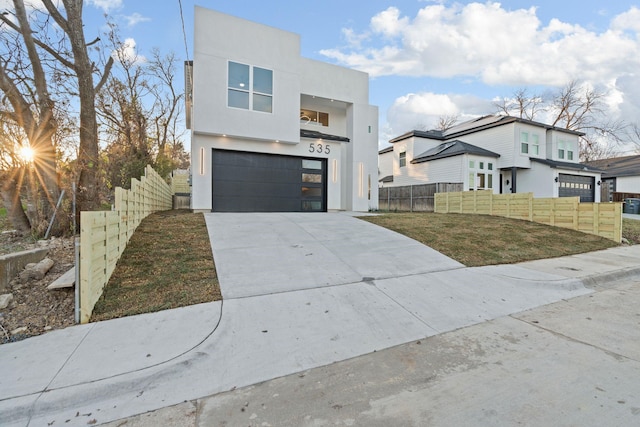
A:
(167, 264)
(476, 240)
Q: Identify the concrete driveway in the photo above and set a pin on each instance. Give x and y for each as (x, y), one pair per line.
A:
(300, 291)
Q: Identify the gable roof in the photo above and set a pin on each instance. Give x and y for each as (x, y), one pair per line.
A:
(450, 149)
(565, 165)
(476, 125)
(617, 166)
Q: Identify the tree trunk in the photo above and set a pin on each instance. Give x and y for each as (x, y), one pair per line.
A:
(87, 197)
(11, 199)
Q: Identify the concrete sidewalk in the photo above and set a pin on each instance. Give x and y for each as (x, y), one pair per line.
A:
(300, 291)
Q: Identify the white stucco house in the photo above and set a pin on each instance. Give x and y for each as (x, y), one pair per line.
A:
(271, 130)
(500, 153)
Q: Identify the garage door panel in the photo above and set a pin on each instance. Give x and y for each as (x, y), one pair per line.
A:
(260, 182)
(577, 185)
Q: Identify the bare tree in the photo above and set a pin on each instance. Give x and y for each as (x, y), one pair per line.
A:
(66, 57)
(522, 104)
(447, 121)
(575, 107)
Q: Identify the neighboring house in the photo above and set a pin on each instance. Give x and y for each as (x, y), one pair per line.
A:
(500, 153)
(271, 130)
(619, 175)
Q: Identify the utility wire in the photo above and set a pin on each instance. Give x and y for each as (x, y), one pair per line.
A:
(184, 32)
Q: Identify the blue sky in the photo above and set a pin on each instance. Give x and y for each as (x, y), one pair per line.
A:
(429, 58)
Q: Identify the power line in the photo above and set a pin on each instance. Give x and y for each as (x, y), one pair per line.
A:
(184, 32)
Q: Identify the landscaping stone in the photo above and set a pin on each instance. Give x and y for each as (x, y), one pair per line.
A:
(5, 300)
(20, 330)
(38, 271)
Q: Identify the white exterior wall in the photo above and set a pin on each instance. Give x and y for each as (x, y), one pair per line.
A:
(552, 146)
(628, 184)
(385, 165)
(539, 180)
(449, 169)
(220, 38)
(500, 140)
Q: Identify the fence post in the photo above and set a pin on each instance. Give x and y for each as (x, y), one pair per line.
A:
(411, 198)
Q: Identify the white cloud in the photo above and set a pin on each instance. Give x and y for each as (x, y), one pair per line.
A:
(422, 110)
(106, 5)
(494, 45)
(128, 52)
(135, 19)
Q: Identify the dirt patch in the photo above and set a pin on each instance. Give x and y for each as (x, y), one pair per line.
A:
(36, 309)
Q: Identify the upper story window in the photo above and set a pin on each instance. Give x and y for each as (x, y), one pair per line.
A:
(314, 117)
(250, 88)
(524, 142)
(403, 159)
(535, 144)
(529, 143)
(569, 147)
(565, 150)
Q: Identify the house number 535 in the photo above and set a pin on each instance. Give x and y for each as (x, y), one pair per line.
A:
(319, 148)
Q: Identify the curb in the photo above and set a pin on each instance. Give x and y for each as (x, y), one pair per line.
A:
(610, 279)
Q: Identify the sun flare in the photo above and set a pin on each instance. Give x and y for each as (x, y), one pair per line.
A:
(27, 154)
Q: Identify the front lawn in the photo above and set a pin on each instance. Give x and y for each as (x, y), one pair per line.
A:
(476, 240)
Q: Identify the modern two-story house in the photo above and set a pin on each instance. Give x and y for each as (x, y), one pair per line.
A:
(500, 153)
(271, 130)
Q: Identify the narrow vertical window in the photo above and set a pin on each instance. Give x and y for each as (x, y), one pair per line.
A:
(524, 143)
(238, 92)
(403, 159)
(535, 145)
(262, 90)
(561, 149)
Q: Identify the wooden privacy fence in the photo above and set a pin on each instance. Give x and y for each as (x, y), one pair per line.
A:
(602, 219)
(104, 235)
(413, 198)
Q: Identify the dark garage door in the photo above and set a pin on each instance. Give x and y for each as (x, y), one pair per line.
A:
(576, 185)
(258, 182)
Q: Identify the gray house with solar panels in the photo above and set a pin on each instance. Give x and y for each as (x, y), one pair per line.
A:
(499, 153)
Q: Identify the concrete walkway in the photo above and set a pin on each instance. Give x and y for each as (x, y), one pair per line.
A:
(300, 291)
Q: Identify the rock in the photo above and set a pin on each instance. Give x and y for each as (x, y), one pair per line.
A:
(31, 265)
(5, 300)
(20, 330)
(625, 241)
(65, 281)
(48, 328)
(38, 271)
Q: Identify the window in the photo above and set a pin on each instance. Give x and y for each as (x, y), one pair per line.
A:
(403, 159)
(561, 149)
(535, 145)
(569, 148)
(480, 178)
(314, 117)
(250, 88)
(524, 143)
